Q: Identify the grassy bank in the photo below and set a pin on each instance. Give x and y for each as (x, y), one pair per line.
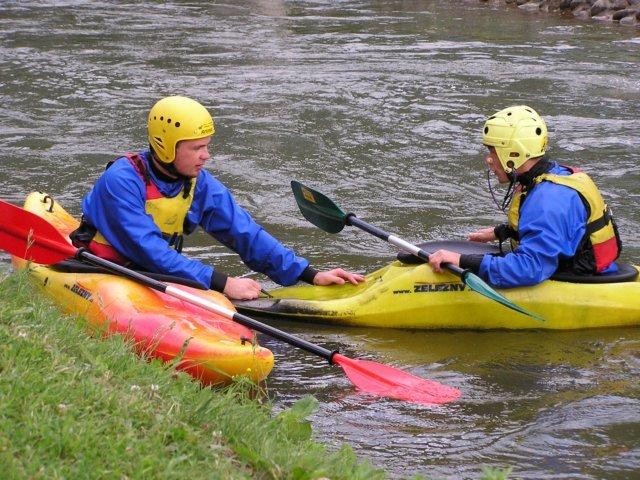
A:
(73, 406)
(77, 407)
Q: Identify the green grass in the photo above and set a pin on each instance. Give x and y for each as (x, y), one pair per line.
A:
(75, 406)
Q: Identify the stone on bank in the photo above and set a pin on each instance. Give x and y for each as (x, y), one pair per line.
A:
(624, 12)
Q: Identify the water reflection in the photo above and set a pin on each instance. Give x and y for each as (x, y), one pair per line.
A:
(377, 104)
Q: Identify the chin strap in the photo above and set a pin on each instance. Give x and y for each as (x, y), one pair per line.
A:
(513, 179)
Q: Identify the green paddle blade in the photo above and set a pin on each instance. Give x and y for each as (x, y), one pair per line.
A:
(478, 285)
(318, 209)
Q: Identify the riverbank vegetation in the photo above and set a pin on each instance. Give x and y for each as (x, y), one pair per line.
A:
(74, 406)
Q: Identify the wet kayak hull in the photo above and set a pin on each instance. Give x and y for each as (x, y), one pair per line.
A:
(211, 348)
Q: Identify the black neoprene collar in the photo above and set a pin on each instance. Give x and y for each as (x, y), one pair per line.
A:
(542, 166)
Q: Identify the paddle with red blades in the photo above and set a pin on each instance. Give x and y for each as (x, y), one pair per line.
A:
(26, 235)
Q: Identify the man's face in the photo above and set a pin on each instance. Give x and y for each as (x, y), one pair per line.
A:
(191, 155)
(493, 162)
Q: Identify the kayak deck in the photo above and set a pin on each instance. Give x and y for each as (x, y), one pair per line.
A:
(412, 296)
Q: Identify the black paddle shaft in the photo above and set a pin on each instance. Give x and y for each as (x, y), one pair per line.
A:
(285, 337)
(83, 254)
(238, 317)
(352, 220)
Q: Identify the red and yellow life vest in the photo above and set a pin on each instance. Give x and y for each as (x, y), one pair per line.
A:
(601, 245)
(168, 213)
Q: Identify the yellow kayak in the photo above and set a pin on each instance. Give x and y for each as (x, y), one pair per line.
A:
(210, 347)
(411, 295)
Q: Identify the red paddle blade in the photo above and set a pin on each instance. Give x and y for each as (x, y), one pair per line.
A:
(26, 235)
(385, 381)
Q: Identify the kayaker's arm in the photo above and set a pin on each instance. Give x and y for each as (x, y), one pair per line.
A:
(217, 212)
(471, 262)
(215, 209)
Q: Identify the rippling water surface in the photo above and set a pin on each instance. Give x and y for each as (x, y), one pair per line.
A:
(379, 105)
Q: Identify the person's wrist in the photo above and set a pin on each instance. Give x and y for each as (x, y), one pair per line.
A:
(218, 281)
(470, 262)
(308, 275)
(501, 232)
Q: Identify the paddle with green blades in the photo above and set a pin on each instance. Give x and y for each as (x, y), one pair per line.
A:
(325, 214)
(29, 236)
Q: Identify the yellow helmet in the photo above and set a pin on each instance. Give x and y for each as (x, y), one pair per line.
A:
(173, 119)
(517, 133)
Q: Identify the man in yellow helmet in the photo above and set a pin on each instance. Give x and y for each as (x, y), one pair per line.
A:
(144, 203)
(557, 219)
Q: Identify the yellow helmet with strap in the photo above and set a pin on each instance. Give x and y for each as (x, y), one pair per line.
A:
(517, 133)
(173, 119)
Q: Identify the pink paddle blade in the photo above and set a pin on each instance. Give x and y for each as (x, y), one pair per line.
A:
(26, 235)
(385, 381)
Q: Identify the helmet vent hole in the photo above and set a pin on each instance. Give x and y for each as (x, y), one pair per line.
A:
(486, 130)
(162, 118)
(538, 131)
(510, 164)
(509, 113)
(168, 120)
(177, 124)
(514, 154)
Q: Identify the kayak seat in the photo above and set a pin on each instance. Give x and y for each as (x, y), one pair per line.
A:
(625, 273)
(76, 266)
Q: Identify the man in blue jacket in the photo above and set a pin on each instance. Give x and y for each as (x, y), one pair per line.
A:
(144, 203)
(557, 220)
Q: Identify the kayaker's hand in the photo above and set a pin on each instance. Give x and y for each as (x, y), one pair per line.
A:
(337, 276)
(241, 288)
(483, 235)
(443, 256)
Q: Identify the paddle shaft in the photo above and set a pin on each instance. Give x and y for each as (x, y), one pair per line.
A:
(351, 219)
(207, 305)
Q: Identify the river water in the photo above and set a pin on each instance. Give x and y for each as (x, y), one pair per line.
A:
(379, 105)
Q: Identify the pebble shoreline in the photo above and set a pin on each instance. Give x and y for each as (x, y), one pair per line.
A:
(624, 12)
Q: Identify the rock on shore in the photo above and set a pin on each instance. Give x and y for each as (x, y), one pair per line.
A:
(625, 12)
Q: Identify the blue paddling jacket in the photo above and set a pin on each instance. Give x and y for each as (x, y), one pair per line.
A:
(551, 227)
(115, 207)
